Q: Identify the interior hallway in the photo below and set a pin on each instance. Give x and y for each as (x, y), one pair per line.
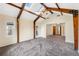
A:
(51, 46)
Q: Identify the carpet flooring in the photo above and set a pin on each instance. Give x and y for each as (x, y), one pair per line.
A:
(51, 46)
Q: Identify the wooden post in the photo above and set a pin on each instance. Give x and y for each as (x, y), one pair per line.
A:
(34, 24)
(75, 24)
(34, 29)
(17, 31)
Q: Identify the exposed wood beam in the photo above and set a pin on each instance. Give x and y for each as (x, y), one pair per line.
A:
(34, 24)
(46, 7)
(25, 10)
(20, 12)
(75, 26)
(34, 30)
(14, 5)
(59, 8)
(62, 9)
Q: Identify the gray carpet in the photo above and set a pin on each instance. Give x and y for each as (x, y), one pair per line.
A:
(51, 46)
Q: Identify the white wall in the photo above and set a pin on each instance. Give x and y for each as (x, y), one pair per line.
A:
(41, 28)
(69, 30)
(4, 38)
(26, 30)
(67, 19)
(49, 29)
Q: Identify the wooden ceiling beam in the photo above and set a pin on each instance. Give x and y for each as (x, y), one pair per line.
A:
(46, 7)
(62, 9)
(59, 8)
(25, 10)
(14, 5)
(20, 12)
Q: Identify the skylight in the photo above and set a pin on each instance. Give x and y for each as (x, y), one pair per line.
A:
(28, 5)
(35, 7)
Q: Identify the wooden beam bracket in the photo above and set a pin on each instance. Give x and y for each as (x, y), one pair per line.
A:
(74, 12)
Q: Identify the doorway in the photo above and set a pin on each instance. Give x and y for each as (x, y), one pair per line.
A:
(54, 30)
(58, 29)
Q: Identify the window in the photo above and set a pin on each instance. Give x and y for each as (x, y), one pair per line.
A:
(10, 28)
(37, 7)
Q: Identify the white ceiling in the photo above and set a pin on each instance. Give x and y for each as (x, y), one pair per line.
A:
(13, 11)
(27, 16)
(8, 10)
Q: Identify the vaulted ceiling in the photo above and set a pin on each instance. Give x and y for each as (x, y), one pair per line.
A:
(35, 9)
